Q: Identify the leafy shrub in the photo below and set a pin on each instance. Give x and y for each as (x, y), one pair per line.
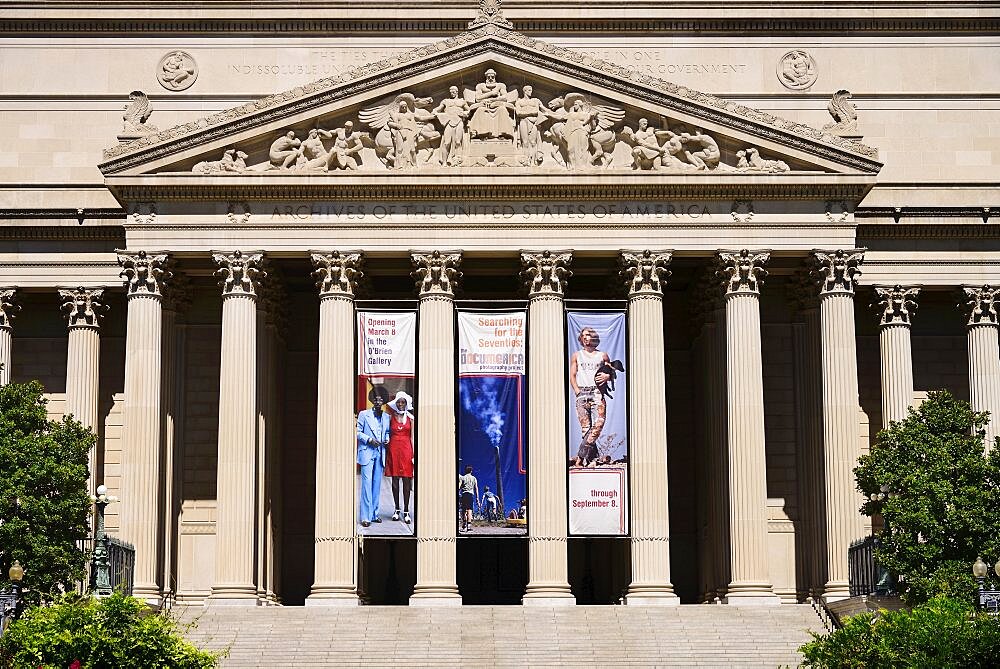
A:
(943, 509)
(43, 493)
(941, 633)
(110, 633)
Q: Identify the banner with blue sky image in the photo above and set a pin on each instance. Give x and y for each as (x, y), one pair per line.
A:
(491, 413)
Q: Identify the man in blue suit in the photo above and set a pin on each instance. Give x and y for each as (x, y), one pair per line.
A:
(373, 436)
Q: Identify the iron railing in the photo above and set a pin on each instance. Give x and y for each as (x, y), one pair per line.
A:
(867, 576)
(121, 565)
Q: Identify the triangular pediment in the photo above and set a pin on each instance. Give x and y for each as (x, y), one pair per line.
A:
(434, 113)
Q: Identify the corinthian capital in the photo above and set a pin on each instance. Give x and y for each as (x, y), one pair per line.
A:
(8, 307)
(436, 272)
(144, 273)
(546, 272)
(981, 304)
(897, 303)
(83, 307)
(337, 274)
(743, 271)
(239, 273)
(838, 271)
(645, 271)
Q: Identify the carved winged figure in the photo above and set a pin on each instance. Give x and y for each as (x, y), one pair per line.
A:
(845, 116)
(136, 113)
(583, 132)
(404, 129)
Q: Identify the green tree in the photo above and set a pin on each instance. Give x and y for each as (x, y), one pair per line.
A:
(114, 632)
(943, 505)
(43, 493)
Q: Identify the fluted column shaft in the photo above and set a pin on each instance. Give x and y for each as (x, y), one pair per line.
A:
(436, 466)
(334, 582)
(141, 480)
(984, 361)
(648, 434)
(897, 371)
(8, 307)
(548, 449)
(841, 429)
(236, 488)
(750, 584)
(897, 304)
(984, 375)
(146, 276)
(83, 308)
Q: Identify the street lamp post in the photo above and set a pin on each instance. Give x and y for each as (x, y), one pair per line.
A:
(986, 599)
(100, 573)
(10, 599)
(885, 584)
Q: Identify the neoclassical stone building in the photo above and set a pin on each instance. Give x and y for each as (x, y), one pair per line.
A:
(768, 200)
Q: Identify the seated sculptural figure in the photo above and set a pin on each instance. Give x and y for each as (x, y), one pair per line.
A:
(491, 105)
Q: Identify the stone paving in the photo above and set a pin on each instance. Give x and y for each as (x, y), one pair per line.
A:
(504, 636)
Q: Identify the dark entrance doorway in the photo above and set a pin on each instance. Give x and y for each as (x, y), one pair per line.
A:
(492, 571)
(387, 571)
(600, 569)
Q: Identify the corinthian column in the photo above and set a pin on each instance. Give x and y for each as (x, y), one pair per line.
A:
(838, 272)
(8, 308)
(984, 363)
(750, 584)
(236, 492)
(644, 272)
(548, 451)
(334, 583)
(436, 273)
(146, 275)
(897, 304)
(83, 309)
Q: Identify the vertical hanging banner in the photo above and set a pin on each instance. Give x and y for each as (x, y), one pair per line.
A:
(598, 423)
(386, 432)
(492, 486)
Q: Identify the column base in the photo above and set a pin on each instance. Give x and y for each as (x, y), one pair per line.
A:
(835, 591)
(150, 595)
(548, 595)
(649, 596)
(333, 595)
(435, 595)
(233, 595)
(757, 597)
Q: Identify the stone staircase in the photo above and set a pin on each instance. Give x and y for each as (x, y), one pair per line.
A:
(503, 636)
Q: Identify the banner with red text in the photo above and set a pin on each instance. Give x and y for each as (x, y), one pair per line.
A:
(597, 423)
(386, 429)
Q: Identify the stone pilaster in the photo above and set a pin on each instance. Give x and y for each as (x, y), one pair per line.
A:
(146, 276)
(750, 584)
(240, 275)
(436, 273)
(8, 309)
(336, 276)
(644, 272)
(83, 309)
(837, 272)
(984, 362)
(546, 273)
(897, 305)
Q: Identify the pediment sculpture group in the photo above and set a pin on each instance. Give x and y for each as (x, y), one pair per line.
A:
(493, 125)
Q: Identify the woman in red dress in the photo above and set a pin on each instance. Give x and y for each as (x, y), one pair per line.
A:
(399, 454)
